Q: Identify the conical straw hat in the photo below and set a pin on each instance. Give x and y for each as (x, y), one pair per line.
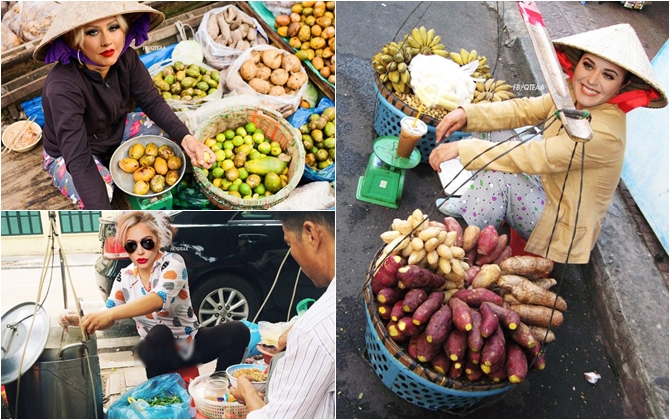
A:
(620, 45)
(75, 14)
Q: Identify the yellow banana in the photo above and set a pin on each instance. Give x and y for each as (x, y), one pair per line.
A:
(456, 57)
(436, 41)
(394, 76)
(498, 84)
(385, 58)
(384, 77)
(479, 97)
(482, 61)
(464, 56)
(429, 37)
(424, 35)
(473, 56)
(479, 86)
(488, 84)
(404, 77)
(393, 66)
(441, 53)
(504, 87)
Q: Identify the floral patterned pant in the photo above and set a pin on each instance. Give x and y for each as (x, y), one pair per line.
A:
(137, 124)
(494, 196)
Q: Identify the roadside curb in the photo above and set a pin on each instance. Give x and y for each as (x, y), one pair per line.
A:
(626, 287)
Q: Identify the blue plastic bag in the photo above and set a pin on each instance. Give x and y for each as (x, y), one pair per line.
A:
(157, 56)
(33, 108)
(137, 407)
(255, 337)
(299, 118)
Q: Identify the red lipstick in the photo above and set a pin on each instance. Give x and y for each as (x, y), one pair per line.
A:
(141, 260)
(108, 53)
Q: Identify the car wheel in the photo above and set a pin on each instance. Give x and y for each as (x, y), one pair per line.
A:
(223, 299)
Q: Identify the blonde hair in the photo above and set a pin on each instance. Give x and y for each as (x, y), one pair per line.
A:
(158, 223)
(75, 38)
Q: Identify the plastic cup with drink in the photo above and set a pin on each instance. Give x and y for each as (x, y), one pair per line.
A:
(411, 131)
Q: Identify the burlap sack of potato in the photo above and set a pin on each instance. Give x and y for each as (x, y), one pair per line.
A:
(225, 32)
(275, 76)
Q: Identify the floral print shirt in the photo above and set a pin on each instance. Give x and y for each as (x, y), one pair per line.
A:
(169, 280)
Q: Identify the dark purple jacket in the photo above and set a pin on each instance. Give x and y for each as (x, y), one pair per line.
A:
(85, 115)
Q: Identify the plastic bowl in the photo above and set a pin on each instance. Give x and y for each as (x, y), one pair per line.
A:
(267, 352)
(125, 180)
(28, 140)
(260, 386)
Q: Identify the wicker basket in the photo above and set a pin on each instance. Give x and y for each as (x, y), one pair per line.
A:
(411, 380)
(389, 110)
(213, 409)
(277, 129)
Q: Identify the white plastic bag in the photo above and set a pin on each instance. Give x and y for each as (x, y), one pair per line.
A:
(285, 104)
(193, 118)
(179, 105)
(270, 332)
(219, 55)
(317, 195)
(434, 78)
(279, 7)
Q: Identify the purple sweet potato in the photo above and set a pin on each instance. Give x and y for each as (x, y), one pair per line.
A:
(455, 371)
(407, 327)
(389, 296)
(516, 365)
(524, 336)
(475, 339)
(441, 363)
(488, 239)
(411, 346)
(507, 317)
(460, 312)
(426, 310)
(397, 312)
(456, 345)
(384, 311)
(490, 321)
(425, 351)
(413, 299)
(507, 253)
(473, 356)
(470, 274)
(439, 326)
(472, 371)
(453, 226)
(501, 243)
(394, 331)
(494, 349)
(475, 297)
(412, 276)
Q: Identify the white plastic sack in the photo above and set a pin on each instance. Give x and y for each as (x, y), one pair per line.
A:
(279, 7)
(218, 55)
(179, 105)
(433, 77)
(285, 104)
(194, 118)
(270, 332)
(317, 195)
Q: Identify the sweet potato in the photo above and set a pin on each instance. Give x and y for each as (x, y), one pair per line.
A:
(509, 298)
(389, 296)
(470, 274)
(487, 240)
(439, 326)
(394, 331)
(546, 283)
(471, 256)
(456, 345)
(425, 351)
(472, 371)
(384, 311)
(501, 243)
(516, 365)
(470, 237)
(497, 375)
(475, 339)
(528, 292)
(455, 371)
(377, 284)
(448, 294)
(413, 299)
(536, 358)
(542, 333)
(473, 356)
(397, 311)
(406, 327)
(411, 345)
(441, 363)
(391, 265)
(488, 275)
(461, 315)
(493, 350)
(412, 276)
(507, 317)
(524, 336)
(490, 321)
(528, 266)
(426, 310)
(453, 226)
(538, 315)
(475, 297)
(507, 252)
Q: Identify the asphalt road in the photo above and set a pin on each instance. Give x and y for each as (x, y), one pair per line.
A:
(560, 391)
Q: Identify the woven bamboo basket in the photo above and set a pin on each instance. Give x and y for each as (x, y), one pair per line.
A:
(414, 381)
(275, 128)
(391, 97)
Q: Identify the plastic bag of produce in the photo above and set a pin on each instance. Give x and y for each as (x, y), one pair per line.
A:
(267, 82)
(30, 20)
(225, 32)
(161, 397)
(318, 195)
(9, 39)
(183, 84)
(279, 7)
(196, 117)
(301, 117)
(438, 81)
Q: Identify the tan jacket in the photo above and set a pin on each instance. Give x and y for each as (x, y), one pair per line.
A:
(550, 157)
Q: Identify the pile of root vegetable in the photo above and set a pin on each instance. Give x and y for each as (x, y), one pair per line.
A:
(461, 303)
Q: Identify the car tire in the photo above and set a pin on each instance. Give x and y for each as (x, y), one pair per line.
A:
(224, 298)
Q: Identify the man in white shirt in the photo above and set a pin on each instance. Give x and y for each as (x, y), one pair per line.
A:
(303, 382)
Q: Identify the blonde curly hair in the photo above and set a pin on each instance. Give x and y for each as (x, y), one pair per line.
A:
(157, 222)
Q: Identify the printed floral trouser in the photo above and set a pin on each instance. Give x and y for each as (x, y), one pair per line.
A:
(494, 196)
(137, 124)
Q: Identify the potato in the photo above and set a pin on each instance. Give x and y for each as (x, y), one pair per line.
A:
(263, 72)
(390, 295)
(412, 276)
(470, 237)
(291, 63)
(490, 321)
(296, 80)
(260, 86)
(456, 345)
(538, 315)
(524, 336)
(248, 70)
(441, 363)
(501, 243)
(488, 275)
(277, 91)
(425, 351)
(279, 77)
(272, 58)
(516, 366)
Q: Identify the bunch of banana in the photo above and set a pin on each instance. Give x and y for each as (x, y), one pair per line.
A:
(492, 91)
(463, 57)
(483, 71)
(425, 42)
(391, 65)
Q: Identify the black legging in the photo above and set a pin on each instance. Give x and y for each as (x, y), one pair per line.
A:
(227, 342)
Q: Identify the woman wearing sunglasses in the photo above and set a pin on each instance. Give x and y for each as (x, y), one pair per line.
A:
(153, 290)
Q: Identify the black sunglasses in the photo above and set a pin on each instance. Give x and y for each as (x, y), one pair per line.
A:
(131, 246)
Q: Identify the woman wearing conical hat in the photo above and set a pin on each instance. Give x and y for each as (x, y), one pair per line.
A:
(609, 76)
(87, 93)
